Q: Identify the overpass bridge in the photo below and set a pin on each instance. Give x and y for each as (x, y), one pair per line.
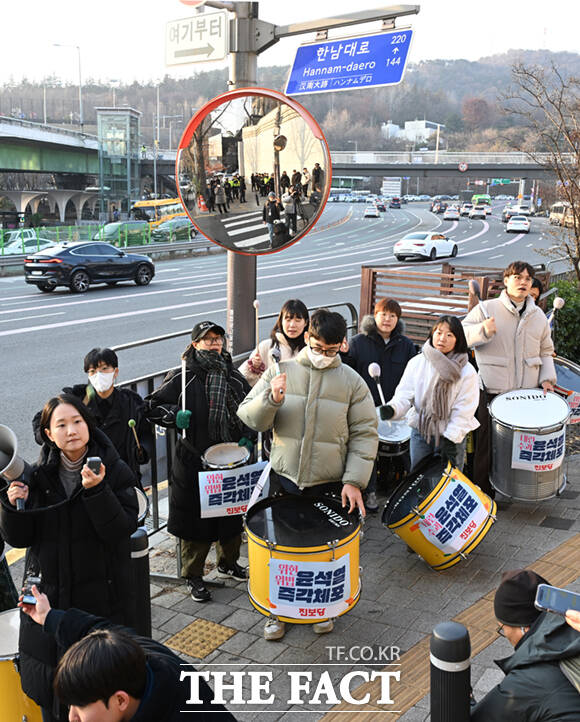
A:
(27, 147)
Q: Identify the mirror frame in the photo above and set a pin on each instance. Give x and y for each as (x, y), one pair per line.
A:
(316, 130)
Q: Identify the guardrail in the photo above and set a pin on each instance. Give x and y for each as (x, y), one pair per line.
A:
(154, 250)
(442, 157)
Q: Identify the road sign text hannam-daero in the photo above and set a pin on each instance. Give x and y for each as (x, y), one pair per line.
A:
(353, 63)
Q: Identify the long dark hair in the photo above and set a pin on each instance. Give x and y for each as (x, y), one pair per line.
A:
(51, 405)
(292, 307)
(456, 329)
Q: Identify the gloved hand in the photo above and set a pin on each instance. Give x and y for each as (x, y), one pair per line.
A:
(387, 412)
(141, 456)
(448, 450)
(182, 419)
(247, 443)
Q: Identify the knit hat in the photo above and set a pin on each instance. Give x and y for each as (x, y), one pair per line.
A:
(271, 195)
(514, 599)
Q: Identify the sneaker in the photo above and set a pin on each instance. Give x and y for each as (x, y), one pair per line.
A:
(323, 627)
(233, 572)
(198, 590)
(274, 629)
(371, 503)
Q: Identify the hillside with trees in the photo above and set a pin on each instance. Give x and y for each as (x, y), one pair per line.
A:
(464, 96)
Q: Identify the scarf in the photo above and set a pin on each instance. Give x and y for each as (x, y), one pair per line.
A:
(435, 411)
(223, 397)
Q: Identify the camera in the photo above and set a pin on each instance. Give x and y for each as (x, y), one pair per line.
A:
(27, 595)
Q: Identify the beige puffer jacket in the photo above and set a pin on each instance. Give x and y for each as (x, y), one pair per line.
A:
(325, 428)
(519, 354)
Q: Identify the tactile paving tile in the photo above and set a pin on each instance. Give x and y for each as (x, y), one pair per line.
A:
(560, 566)
(200, 638)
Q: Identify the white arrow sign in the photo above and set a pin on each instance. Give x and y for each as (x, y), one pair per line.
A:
(198, 39)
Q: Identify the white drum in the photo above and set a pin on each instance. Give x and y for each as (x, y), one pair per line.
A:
(227, 455)
(393, 437)
(528, 436)
(142, 505)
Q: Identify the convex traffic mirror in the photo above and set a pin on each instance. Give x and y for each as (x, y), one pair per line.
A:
(253, 170)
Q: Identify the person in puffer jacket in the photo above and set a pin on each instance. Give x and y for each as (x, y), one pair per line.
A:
(440, 386)
(541, 679)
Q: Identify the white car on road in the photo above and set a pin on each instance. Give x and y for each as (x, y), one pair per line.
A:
(451, 214)
(371, 212)
(424, 245)
(465, 209)
(518, 224)
(477, 212)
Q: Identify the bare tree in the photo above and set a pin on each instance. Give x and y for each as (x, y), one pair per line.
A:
(548, 104)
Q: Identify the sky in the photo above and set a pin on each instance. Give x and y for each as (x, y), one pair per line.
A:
(124, 41)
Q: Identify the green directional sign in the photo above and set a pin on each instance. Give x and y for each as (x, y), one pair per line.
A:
(501, 181)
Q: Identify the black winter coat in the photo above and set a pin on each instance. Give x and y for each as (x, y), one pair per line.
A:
(112, 416)
(165, 695)
(271, 211)
(81, 549)
(369, 346)
(163, 404)
(535, 689)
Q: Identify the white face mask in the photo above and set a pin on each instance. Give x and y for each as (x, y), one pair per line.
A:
(102, 381)
(318, 360)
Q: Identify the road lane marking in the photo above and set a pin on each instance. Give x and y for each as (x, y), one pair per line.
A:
(343, 288)
(25, 318)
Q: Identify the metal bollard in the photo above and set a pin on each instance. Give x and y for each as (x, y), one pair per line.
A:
(142, 592)
(450, 673)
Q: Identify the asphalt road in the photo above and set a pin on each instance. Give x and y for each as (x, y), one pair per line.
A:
(43, 338)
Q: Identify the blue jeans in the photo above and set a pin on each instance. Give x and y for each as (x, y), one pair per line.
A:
(420, 448)
(271, 232)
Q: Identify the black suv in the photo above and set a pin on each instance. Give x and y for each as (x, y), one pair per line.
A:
(78, 265)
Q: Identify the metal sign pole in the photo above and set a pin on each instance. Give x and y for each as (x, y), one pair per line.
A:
(241, 279)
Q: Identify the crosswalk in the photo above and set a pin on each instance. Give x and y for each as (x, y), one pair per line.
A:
(246, 231)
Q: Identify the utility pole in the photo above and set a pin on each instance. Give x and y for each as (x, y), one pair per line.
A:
(250, 36)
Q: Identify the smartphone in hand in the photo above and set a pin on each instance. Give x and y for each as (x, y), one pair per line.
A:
(556, 600)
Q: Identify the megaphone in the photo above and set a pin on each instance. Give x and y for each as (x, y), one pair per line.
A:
(12, 466)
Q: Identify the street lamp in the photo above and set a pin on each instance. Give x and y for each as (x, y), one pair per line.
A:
(171, 118)
(355, 144)
(78, 49)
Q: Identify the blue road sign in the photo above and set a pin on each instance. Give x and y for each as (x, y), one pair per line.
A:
(368, 61)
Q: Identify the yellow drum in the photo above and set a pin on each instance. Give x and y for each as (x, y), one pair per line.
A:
(304, 558)
(15, 704)
(441, 517)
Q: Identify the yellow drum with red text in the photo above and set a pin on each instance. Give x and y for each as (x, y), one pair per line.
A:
(442, 517)
(304, 558)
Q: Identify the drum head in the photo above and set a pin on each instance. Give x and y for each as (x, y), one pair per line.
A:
(142, 504)
(222, 456)
(9, 626)
(414, 490)
(393, 432)
(568, 374)
(529, 409)
(297, 521)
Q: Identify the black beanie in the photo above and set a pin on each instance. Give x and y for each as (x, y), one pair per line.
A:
(514, 599)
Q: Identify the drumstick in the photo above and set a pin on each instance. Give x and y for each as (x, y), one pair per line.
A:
(183, 385)
(131, 423)
(375, 373)
(475, 290)
(257, 306)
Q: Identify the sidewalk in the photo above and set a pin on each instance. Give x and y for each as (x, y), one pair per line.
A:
(402, 600)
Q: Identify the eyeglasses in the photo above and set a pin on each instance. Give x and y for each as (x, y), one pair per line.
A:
(212, 340)
(318, 351)
(500, 631)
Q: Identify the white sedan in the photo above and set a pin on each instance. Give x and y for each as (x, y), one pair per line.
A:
(451, 214)
(424, 245)
(371, 212)
(477, 212)
(25, 245)
(518, 224)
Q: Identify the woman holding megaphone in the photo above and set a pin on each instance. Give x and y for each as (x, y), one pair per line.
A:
(80, 511)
